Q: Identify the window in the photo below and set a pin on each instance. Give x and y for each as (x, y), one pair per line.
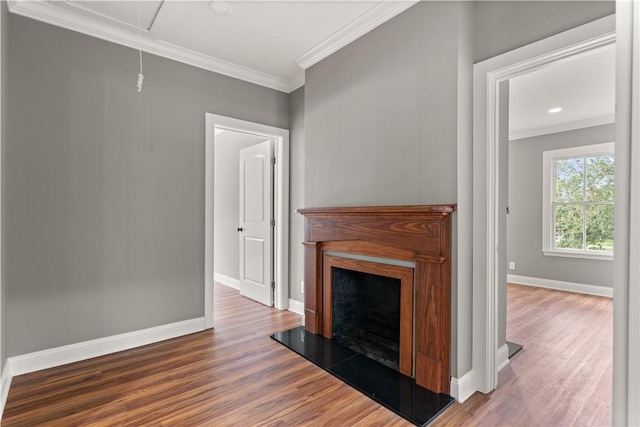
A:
(578, 198)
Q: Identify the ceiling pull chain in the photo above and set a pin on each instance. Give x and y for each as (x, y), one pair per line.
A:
(140, 75)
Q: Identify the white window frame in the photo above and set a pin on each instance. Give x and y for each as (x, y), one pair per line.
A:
(548, 190)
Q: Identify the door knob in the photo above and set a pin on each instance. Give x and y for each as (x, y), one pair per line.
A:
(240, 229)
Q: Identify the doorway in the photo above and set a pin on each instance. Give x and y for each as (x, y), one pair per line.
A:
(560, 177)
(216, 127)
(485, 178)
(242, 206)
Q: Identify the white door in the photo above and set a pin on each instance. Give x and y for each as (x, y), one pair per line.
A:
(255, 229)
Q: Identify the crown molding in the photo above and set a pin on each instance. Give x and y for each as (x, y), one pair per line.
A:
(60, 17)
(296, 82)
(375, 16)
(563, 127)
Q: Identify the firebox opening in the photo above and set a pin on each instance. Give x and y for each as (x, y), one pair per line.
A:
(366, 314)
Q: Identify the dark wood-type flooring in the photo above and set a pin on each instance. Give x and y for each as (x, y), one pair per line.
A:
(235, 375)
(563, 375)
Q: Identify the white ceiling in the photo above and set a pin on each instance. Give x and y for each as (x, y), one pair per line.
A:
(583, 86)
(265, 42)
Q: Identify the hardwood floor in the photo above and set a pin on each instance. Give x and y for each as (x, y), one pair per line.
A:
(563, 375)
(235, 375)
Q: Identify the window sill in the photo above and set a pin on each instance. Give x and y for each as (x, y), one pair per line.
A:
(578, 255)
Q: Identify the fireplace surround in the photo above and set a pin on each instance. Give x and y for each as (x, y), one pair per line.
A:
(383, 240)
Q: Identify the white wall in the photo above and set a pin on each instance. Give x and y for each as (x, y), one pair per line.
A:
(226, 200)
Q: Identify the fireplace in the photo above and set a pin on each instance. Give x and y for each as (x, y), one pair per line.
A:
(392, 265)
(366, 314)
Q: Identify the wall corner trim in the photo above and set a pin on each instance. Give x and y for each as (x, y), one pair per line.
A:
(32, 362)
(558, 285)
(462, 388)
(502, 357)
(296, 306)
(5, 380)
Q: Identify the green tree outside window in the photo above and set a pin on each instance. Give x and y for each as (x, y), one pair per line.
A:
(583, 203)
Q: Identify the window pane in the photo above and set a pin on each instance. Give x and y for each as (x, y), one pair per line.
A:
(569, 226)
(600, 227)
(569, 180)
(600, 178)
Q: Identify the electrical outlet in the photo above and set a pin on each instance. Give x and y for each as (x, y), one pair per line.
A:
(302, 286)
(512, 265)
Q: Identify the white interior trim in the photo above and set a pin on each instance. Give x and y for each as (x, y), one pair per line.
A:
(608, 256)
(486, 181)
(4, 385)
(5, 380)
(58, 356)
(375, 16)
(580, 124)
(581, 288)
(462, 388)
(66, 18)
(281, 207)
(296, 306)
(502, 358)
(106, 28)
(626, 282)
(226, 280)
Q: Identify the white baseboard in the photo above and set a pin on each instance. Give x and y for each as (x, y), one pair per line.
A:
(296, 306)
(58, 356)
(5, 381)
(502, 357)
(580, 288)
(226, 280)
(462, 388)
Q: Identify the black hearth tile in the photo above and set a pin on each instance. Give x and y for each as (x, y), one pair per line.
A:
(395, 391)
(317, 349)
(386, 386)
(514, 348)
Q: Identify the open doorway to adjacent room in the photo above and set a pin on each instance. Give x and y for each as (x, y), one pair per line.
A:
(557, 127)
(490, 256)
(242, 206)
(246, 210)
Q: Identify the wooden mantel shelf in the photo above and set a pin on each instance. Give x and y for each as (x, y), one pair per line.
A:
(378, 210)
(417, 233)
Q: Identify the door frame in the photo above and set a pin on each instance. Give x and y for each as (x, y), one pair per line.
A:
(485, 177)
(281, 206)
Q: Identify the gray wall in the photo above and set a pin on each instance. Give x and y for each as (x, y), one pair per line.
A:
(296, 192)
(501, 26)
(4, 73)
(104, 186)
(381, 114)
(226, 245)
(382, 119)
(524, 224)
(462, 291)
(103, 206)
(385, 114)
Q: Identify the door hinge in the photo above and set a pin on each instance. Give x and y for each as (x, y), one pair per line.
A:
(273, 286)
(273, 222)
(273, 160)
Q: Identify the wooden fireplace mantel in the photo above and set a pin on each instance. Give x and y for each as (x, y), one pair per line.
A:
(420, 234)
